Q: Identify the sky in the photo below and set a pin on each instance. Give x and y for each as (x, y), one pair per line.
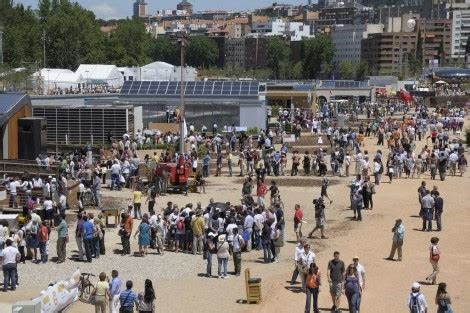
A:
(111, 9)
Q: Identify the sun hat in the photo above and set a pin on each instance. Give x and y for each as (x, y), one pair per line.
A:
(415, 285)
(211, 234)
(221, 238)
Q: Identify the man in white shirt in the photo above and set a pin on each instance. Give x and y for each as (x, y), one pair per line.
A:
(115, 172)
(416, 300)
(361, 272)
(258, 220)
(10, 256)
(299, 250)
(12, 187)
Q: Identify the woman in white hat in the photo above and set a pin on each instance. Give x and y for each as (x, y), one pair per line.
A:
(222, 256)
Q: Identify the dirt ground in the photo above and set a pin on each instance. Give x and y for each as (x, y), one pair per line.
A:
(387, 283)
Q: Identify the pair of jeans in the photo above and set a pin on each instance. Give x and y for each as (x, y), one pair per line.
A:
(43, 251)
(354, 301)
(115, 181)
(13, 201)
(267, 251)
(88, 243)
(61, 244)
(438, 221)
(209, 264)
(258, 243)
(197, 244)
(237, 262)
(79, 241)
(97, 194)
(249, 241)
(222, 262)
(96, 247)
(9, 275)
(205, 170)
(427, 219)
(229, 168)
(311, 293)
(126, 245)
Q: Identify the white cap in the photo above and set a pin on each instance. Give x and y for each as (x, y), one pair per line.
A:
(415, 285)
(211, 234)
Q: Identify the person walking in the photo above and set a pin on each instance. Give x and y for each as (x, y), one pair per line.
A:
(442, 300)
(114, 291)
(101, 294)
(222, 256)
(266, 242)
(63, 235)
(11, 256)
(147, 298)
(319, 218)
(398, 231)
(128, 299)
(434, 256)
(335, 274)
(125, 232)
(427, 205)
(312, 288)
(299, 249)
(416, 300)
(361, 273)
(298, 220)
(352, 289)
(306, 259)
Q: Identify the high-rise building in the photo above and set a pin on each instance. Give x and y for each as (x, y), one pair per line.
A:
(140, 8)
(459, 13)
(186, 6)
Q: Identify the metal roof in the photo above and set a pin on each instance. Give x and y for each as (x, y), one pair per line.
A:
(10, 103)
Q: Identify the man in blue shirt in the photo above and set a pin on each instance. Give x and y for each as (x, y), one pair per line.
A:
(128, 298)
(205, 165)
(115, 291)
(88, 237)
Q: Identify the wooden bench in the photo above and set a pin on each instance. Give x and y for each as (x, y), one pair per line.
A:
(112, 212)
(253, 288)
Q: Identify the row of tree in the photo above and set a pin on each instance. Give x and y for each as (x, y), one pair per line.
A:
(62, 34)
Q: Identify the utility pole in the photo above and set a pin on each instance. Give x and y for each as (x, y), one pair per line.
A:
(44, 46)
(183, 42)
(1, 44)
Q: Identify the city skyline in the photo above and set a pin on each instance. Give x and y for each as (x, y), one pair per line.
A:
(111, 9)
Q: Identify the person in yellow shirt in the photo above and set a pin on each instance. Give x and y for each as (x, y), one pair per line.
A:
(156, 157)
(137, 203)
(101, 294)
(197, 226)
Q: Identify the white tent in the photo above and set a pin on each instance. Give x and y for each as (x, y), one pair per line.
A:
(166, 72)
(59, 78)
(100, 74)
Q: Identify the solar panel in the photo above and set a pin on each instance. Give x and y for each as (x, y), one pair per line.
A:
(236, 88)
(217, 88)
(208, 86)
(153, 88)
(126, 87)
(162, 88)
(189, 88)
(144, 87)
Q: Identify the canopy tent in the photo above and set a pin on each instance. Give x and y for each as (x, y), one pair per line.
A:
(162, 71)
(100, 74)
(440, 82)
(59, 78)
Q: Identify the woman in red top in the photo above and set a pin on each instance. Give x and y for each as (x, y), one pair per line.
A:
(298, 218)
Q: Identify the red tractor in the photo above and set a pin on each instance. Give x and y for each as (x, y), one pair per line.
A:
(173, 176)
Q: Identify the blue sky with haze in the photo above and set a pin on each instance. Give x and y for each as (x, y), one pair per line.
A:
(108, 9)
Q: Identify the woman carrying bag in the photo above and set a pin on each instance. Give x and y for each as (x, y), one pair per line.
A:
(434, 256)
(101, 294)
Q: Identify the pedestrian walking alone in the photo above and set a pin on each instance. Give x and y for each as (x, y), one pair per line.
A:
(434, 256)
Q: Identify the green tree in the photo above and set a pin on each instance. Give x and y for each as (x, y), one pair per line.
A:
(129, 44)
(419, 49)
(362, 71)
(72, 34)
(318, 54)
(277, 54)
(165, 51)
(201, 52)
(22, 36)
(346, 70)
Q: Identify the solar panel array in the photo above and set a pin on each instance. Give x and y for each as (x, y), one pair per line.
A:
(344, 84)
(192, 88)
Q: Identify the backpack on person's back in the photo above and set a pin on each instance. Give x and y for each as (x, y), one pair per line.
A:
(415, 307)
(442, 305)
(180, 224)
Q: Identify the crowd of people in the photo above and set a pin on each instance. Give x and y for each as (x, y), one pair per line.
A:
(227, 230)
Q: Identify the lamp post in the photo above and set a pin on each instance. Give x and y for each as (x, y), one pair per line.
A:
(183, 42)
(48, 82)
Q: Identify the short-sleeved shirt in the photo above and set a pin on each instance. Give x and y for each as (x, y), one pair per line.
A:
(137, 196)
(337, 269)
(101, 288)
(62, 229)
(9, 255)
(127, 298)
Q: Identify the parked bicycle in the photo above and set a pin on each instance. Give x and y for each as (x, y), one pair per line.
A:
(86, 289)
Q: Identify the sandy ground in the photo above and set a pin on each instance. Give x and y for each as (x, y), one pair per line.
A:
(387, 283)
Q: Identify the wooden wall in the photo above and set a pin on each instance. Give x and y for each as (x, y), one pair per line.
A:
(12, 127)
